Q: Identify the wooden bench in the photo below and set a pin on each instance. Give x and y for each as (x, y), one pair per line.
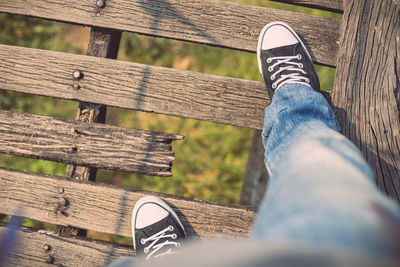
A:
(364, 46)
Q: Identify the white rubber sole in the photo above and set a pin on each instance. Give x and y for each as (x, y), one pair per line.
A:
(156, 200)
(261, 38)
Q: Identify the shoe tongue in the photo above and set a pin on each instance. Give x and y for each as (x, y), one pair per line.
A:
(282, 51)
(156, 227)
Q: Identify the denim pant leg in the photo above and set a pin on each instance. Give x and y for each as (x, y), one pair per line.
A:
(321, 190)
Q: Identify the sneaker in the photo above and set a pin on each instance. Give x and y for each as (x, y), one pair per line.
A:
(156, 229)
(284, 59)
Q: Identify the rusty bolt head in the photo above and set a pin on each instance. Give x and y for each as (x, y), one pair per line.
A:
(49, 260)
(61, 190)
(63, 202)
(77, 74)
(46, 247)
(100, 3)
(76, 86)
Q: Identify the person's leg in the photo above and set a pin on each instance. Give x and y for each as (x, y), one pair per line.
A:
(321, 190)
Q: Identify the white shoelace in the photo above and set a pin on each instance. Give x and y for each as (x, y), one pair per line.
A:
(155, 238)
(295, 67)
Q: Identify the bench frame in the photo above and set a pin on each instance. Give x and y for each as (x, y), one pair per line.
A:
(365, 98)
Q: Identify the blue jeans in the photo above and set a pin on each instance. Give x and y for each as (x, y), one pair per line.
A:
(321, 190)
(321, 202)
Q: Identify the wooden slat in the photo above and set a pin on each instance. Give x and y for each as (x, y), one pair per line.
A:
(214, 22)
(329, 5)
(134, 86)
(367, 89)
(68, 251)
(256, 176)
(107, 209)
(96, 145)
(103, 43)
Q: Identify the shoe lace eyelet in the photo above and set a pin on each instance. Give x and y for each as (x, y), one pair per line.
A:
(273, 86)
(301, 66)
(146, 250)
(272, 77)
(270, 68)
(171, 228)
(298, 56)
(308, 80)
(269, 60)
(174, 236)
(177, 244)
(142, 241)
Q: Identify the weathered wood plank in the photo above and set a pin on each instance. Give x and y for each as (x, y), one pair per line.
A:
(256, 176)
(134, 86)
(96, 145)
(107, 209)
(329, 5)
(366, 91)
(103, 43)
(214, 22)
(68, 251)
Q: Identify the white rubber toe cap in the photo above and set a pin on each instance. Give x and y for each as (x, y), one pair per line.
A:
(148, 214)
(282, 36)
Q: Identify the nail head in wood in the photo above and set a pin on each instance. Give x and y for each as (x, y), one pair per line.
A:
(49, 260)
(76, 86)
(63, 202)
(100, 3)
(61, 190)
(46, 248)
(77, 74)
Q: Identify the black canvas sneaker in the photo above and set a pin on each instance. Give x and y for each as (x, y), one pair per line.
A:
(284, 59)
(156, 229)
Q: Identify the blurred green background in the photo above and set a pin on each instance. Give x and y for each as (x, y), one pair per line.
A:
(210, 162)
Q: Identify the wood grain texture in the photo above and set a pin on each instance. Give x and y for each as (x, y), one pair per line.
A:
(68, 251)
(96, 145)
(108, 209)
(256, 176)
(103, 43)
(329, 5)
(134, 86)
(213, 22)
(366, 91)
